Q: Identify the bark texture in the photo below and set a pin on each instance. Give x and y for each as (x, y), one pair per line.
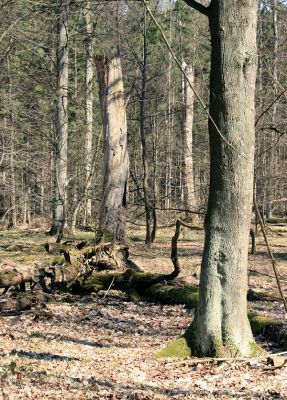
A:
(61, 144)
(116, 160)
(148, 237)
(221, 324)
(190, 200)
(89, 109)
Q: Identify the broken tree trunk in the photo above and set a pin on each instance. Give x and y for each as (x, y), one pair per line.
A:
(116, 161)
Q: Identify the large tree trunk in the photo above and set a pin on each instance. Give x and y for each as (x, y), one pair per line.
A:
(190, 201)
(221, 326)
(116, 161)
(61, 144)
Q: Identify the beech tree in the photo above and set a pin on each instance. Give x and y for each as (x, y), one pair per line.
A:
(221, 325)
(61, 145)
(190, 200)
(89, 108)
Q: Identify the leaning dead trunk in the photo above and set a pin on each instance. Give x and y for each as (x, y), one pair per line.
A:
(116, 161)
(190, 200)
(61, 122)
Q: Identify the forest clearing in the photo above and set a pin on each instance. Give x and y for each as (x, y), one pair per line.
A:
(103, 346)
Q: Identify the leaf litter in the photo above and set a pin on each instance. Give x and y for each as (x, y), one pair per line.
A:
(103, 347)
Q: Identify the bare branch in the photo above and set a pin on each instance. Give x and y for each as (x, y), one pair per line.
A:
(178, 63)
(197, 6)
(270, 106)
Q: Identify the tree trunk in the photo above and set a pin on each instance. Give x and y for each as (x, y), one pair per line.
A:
(13, 197)
(155, 186)
(116, 161)
(221, 326)
(89, 110)
(143, 135)
(275, 53)
(61, 149)
(190, 201)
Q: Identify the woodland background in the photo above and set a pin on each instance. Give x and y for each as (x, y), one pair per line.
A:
(28, 95)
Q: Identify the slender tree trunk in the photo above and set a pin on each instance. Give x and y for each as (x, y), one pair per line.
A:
(116, 161)
(143, 135)
(13, 198)
(61, 150)
(24, 200)
(42, 193)
(13, 219)
(168, 191)
(190, 200)
(275, 52)
(155, 187)
(89, 110)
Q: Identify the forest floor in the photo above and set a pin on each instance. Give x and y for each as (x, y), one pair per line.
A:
(103, 347)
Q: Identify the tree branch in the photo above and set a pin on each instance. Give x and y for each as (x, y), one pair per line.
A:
(178, 63)
(198, 7)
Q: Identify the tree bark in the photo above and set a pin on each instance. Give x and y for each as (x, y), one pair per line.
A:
(221, 325)
(89, 110)
(13, 197)
(190, 201)
(61, 145)
(148, 236)
(275, 52)
(116, 161)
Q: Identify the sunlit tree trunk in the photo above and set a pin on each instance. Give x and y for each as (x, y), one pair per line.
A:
(221, 326)
(89, 110)
(13, 197)
(116, 161)
(61, 145)
(143, 134)
(190, 200)
(275, 51)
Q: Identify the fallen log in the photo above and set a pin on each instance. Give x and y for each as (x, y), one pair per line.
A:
(20, 304)
(13, 277)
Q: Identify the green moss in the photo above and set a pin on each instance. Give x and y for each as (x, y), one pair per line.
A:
(134, 295)
(259, 323)
(174, 295)
(177, 348)
(36, 334)
(98, 281)
(12, 249)
(68, 299)
(57, 260)
(9, 275)
(256, 350)
(28, 257)
(186, 346)
(136, 238)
